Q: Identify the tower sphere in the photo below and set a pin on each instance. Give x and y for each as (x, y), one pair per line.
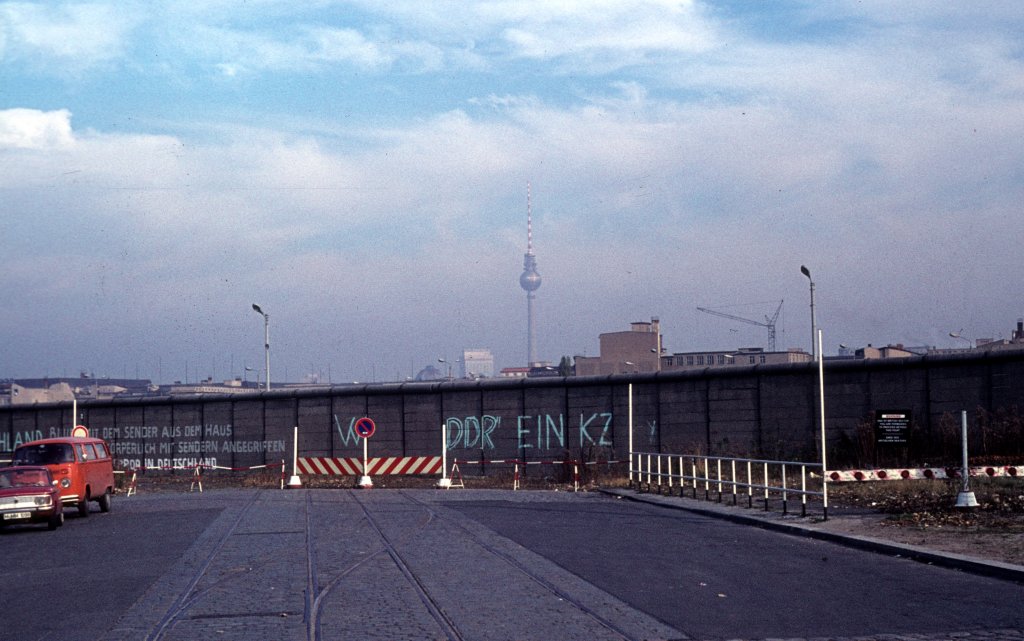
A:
(530, 279)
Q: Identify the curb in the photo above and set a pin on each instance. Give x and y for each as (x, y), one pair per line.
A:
(974, 565)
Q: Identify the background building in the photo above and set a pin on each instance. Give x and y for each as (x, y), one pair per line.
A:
(477, 363)
(729, 358)
(629, 352)
(17, 394)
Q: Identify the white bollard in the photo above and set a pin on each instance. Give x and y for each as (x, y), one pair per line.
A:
(295, 483)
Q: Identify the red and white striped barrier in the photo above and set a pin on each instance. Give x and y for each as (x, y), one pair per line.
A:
(353, 466)
(898, 474)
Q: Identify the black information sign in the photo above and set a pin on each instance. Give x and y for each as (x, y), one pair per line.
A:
(892, 426)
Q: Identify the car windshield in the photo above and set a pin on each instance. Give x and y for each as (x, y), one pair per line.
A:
(44, 454)
(23, 478)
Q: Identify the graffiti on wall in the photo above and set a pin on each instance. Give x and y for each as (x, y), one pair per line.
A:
(181, 446)
(472, 432)
(652, 432)
(9, 441)
(545, 432)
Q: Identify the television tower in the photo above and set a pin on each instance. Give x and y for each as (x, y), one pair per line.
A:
(530, 281)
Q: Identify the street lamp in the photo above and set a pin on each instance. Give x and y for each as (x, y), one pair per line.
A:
(960, 336)
(266, 339)
(445, 361)
(814, 325)
(658, 351)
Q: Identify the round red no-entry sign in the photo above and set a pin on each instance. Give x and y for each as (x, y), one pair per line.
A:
(365, 427)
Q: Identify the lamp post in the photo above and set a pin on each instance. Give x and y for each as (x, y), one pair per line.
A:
(658, 352)
(266, 340)
(445, 362)
(824, 442)
(960, 336)
(814, 324)
(966, 497)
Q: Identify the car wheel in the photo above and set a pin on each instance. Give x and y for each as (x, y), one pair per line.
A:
(105, 502)
(83, 507)
(56, 520)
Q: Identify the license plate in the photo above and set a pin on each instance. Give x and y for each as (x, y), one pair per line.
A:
(10, 516)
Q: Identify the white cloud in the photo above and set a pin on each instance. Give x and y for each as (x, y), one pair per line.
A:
(347, 45)
(76, 35)
(307, 49)
(599, 35)
(888, 164)
(34, 129)
(627, 30)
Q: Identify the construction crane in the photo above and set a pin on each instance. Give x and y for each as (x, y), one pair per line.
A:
(769, 322)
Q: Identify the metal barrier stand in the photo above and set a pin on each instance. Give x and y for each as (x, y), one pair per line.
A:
(777, 478)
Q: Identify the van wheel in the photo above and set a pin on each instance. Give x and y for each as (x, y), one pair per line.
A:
(56, 520)
(83, 507)
(105, 502)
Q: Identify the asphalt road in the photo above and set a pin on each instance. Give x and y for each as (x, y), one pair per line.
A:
(426, 564)
(73, 583)
(714, 579)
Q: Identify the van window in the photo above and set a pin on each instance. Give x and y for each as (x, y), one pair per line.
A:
(44, 454)
(89, 452)
(101, 452)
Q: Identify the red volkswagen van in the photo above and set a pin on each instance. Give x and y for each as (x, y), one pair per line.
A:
(81, 466)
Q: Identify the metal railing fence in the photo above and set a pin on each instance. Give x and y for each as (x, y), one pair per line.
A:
(719, 477)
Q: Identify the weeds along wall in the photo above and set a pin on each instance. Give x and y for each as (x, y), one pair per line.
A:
(756, 411)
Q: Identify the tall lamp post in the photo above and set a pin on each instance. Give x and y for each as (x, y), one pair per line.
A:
(444, 361)
(266, 340)
(814, 324)
(960, 336)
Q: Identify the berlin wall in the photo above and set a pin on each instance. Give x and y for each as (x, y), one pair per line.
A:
(763, 411)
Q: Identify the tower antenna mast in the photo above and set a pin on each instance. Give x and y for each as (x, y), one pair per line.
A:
(529, 280)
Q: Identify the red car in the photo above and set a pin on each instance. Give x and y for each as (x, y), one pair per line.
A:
(29, 494)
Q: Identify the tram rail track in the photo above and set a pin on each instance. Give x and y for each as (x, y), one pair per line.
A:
(316, 596)
(184, 601)
(333, 573)
(536, 577)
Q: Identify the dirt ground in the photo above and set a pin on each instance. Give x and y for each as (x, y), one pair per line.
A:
(918, 512)
(924, 513)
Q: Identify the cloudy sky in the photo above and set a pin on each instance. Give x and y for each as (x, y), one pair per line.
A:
(360, 170)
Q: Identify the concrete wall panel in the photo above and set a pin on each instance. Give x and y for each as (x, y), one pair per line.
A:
(761, 411)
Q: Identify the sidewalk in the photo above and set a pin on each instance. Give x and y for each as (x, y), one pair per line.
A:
(836, 529)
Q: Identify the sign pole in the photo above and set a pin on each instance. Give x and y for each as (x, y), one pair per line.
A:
(365, 427)
(365, 481)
